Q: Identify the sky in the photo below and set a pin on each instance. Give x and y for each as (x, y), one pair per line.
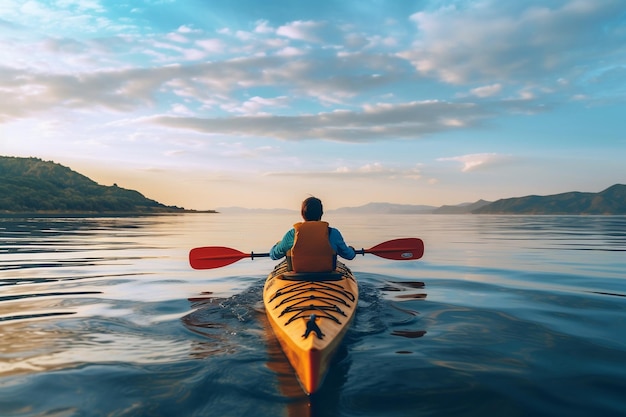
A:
(205, 104)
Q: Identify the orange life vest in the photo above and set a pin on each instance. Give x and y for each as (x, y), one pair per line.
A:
(311, 250)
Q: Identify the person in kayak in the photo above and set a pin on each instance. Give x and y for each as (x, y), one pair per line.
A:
(312, 245)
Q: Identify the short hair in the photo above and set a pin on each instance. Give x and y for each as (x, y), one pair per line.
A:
(312, 209)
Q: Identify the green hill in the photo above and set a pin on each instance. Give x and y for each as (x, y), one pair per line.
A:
(461, 208)
(611, 201)
(31, 185)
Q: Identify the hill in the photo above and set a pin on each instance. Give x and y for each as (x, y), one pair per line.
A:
(465, 208)
(611, 201)
(31, 185)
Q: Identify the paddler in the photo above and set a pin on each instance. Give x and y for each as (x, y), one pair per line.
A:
(312, 245)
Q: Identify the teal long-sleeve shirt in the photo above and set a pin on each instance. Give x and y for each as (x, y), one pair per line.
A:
(280, 249)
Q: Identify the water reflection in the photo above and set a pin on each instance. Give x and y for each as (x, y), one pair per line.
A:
(222, 321)
(561, 232)
(34, 241)
(298, 404)
(57, 277)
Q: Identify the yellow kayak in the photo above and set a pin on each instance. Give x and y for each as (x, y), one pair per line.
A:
(310, 314)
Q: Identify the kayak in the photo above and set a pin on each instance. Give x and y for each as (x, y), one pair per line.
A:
(310, 314)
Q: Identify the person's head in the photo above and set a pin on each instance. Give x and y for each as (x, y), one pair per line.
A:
(312, 209)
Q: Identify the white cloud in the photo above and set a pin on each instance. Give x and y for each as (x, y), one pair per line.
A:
(176, 37)
(375, 167)
(255, 105)
(371, 171)
(472, 162)
(211, 45)
(290, 51)
(526, 94)
(487, 90)
(181, 109)
(301, 30)
(263, 27)
(495, 40)
(186, 29)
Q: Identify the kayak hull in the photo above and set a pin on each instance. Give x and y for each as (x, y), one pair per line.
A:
(309, 315)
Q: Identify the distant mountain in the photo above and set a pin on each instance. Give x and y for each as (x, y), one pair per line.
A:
(611, 201)
(464, 208)
(31, 185)
(386, 208)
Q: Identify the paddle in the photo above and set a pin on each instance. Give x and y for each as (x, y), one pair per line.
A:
(403, 249)
(209, 257)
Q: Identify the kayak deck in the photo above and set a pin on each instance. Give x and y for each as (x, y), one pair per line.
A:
(310, 314)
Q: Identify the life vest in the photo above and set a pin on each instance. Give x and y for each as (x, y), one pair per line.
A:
(311, 250)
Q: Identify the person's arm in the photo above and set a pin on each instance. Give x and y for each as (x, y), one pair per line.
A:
(338, 244)
(279, 250)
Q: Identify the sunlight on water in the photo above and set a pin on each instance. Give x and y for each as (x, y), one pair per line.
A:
(504, 315)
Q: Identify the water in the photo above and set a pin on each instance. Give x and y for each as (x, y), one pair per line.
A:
(504, 315)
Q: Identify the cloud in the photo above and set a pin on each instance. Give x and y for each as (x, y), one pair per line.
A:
(59, 17)
(495, 40)
(473, 162)
(142, 73)
(357, 91)
(256, 105)
(181, 109)
(487, 90)
(375, 170)
(129, 59)
(128, 88)
(211, 45)
(308, 31)
(290, 51)
(375, 122)
(263, 27)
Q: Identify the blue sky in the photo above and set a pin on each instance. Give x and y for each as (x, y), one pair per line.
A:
(207, 104)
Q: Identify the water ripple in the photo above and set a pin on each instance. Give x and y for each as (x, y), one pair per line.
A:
(504, 315)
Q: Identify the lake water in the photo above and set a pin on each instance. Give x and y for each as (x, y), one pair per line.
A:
(516, 316)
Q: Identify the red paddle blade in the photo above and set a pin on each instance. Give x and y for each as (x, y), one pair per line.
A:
(399, 249)
(209, 257)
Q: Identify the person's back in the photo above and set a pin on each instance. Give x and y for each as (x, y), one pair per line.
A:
(311, 251)
(312, 246)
